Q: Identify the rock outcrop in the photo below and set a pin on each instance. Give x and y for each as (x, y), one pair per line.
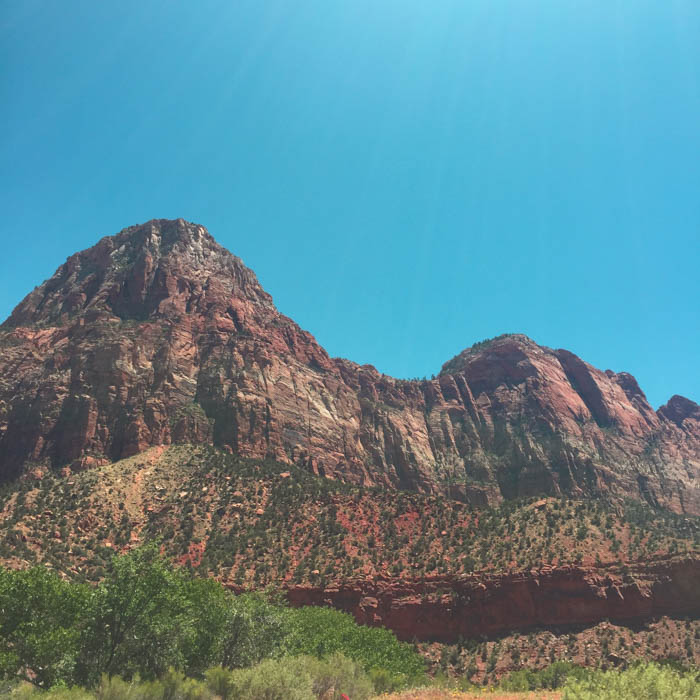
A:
(159, 335)
(444, 609)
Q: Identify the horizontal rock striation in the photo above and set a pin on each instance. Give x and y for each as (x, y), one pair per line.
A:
(159, 335)
(443, 609)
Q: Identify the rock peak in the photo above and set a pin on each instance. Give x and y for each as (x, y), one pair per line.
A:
(165, 232)
(136, 272)
(517, 339)
(679, 408)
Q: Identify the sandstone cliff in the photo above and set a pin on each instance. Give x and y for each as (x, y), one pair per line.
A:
(159, 335)
(445, 609)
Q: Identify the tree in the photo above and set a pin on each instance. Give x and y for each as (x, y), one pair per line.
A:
(138, 618)
(42, 619)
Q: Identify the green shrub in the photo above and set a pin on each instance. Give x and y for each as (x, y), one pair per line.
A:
(218, 680)
(334, 676)
(27, 690)
(320, 632)
(294, 677)
(641, 681)
(385, 682)
(550, 678)
(171, 686)
(271, 680)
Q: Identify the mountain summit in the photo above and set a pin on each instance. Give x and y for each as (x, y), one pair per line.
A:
(159, 335)
(158, 270)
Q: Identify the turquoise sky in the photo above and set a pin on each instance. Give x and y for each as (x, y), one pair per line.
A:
(406, 177)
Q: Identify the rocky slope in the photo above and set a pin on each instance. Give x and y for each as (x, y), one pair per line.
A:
(159, 335)
(424, 566)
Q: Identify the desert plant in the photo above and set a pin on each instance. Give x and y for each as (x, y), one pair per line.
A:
(641, 681)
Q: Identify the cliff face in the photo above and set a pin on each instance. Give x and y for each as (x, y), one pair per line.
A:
(443, 609)
(159, 335)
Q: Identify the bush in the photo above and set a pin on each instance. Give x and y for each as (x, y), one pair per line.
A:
(293, 678)
(334, 676)
(385, 682)
(27, 690)
(172, 686)
(550, 678)
(320, 632)
(642, 681)
(271, 680)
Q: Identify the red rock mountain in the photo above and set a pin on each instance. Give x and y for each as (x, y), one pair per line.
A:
(160, 335)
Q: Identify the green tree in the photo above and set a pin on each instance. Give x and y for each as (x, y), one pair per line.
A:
(139, 616)
(41, 625)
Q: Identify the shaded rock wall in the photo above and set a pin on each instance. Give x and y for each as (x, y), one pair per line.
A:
(441, 609)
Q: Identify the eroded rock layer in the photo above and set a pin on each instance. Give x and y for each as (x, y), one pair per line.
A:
(445, 610)
(159, 335)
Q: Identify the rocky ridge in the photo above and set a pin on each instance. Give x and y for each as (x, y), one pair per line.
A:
(158, 335)
(446, 609)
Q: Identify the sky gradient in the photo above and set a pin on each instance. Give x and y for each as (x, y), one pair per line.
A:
(405, 177)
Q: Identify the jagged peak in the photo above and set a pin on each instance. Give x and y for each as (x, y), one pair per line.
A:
(679, 408)
(126, 273)
(163, 234)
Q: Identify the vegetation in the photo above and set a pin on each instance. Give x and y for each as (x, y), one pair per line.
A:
(260, 525)
(541, 653)
(323, 631)
(250, 526)
(288, 678)
(147, 616)
(152, 631)
(642, 681)
(309, 678)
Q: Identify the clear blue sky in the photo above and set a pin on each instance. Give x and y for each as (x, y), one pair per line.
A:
(406, 177)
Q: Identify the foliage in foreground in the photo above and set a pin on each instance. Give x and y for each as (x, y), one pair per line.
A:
(323, 631)
(289, 678)
(641, 681)
(309, 678)
(550, 678)
(147, 616)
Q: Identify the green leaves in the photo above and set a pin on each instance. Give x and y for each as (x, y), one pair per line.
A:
(42, 619)
(323, 631)
(138, 616)
(145, 617)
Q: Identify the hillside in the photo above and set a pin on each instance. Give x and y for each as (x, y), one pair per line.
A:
(158, 335)
(425, 566)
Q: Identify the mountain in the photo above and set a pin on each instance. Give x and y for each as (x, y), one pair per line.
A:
(158, 335)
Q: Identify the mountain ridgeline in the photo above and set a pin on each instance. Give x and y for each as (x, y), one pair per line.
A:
(159, 335)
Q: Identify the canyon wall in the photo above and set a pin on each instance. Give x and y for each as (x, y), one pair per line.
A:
(159, 335)
(444, 609)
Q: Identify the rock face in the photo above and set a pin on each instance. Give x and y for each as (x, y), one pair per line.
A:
(159, 335)
(442, 609)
